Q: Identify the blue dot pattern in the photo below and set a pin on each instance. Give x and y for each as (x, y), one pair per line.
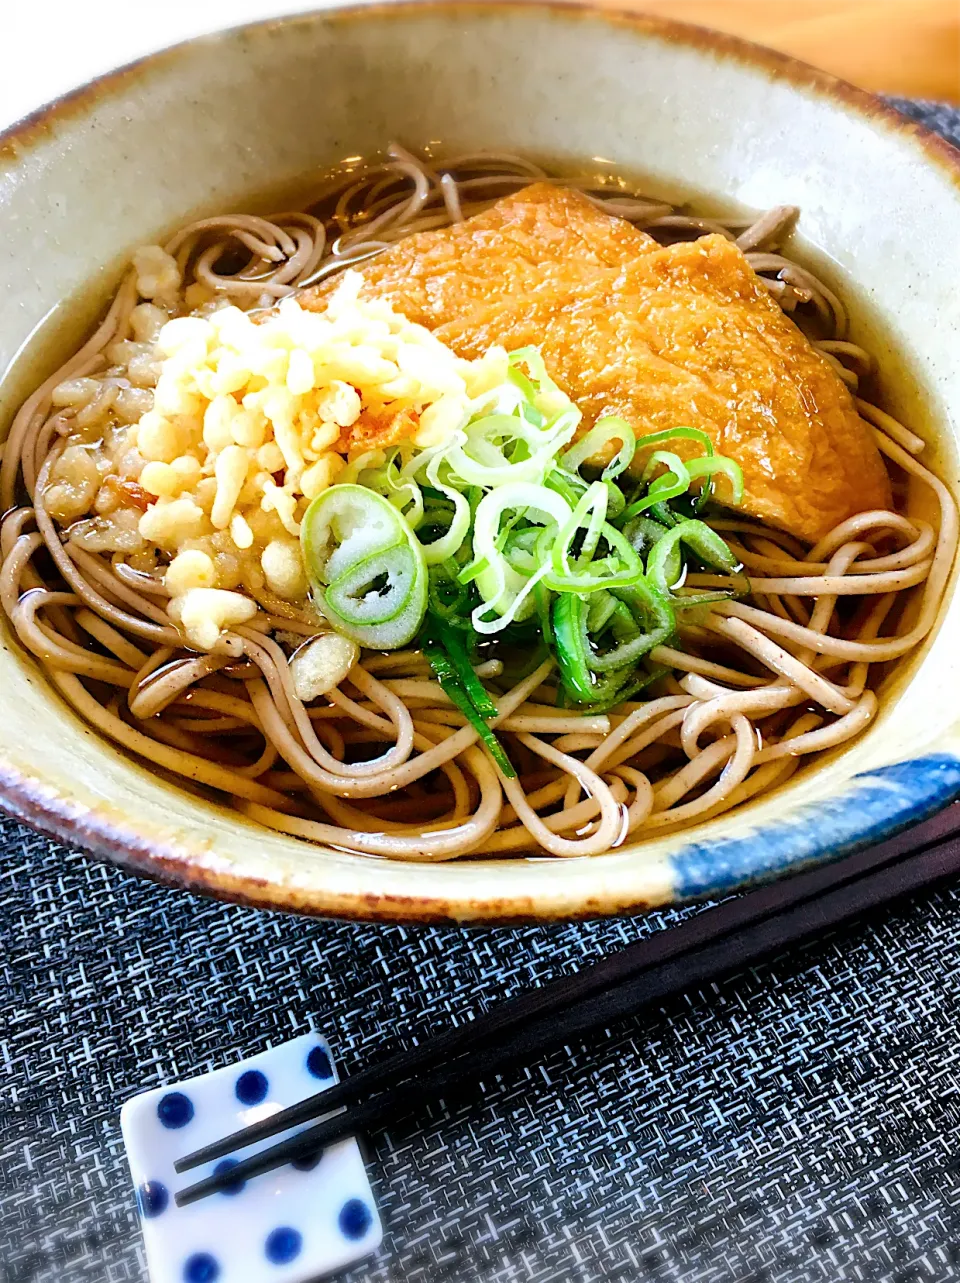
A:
(355, 1218)
(252, 1087)
(201, 1268)
(318, 1063)
(152, 1198)
(300, 1223)
(175, 1109)
(308, 1162)
(283, 1245)
(225, 1165)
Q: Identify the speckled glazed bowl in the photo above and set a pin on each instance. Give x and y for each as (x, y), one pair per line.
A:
(202, 126)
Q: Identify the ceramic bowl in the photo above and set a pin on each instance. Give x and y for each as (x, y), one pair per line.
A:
(200, 127)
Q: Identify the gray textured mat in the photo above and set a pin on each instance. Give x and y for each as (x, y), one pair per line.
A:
(798, 1122)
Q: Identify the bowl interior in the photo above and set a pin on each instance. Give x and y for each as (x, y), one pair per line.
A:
(217, 123)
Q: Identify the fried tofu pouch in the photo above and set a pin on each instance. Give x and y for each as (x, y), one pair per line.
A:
(682, 335)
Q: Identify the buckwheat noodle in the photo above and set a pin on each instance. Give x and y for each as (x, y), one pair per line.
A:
(386, 765)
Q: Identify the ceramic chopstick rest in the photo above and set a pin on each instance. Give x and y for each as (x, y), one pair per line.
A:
(287, 1225)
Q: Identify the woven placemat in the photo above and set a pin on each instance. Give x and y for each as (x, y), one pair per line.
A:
(797, 1122)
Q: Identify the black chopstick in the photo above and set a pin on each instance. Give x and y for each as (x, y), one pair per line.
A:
(733, 915)
(714, 941)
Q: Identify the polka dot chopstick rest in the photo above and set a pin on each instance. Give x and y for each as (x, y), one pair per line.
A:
(290, 1225)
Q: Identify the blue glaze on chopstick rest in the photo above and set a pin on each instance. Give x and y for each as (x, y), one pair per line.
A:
(310, 1218)
(871, 808)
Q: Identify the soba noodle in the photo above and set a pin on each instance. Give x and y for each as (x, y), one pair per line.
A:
(386, 765)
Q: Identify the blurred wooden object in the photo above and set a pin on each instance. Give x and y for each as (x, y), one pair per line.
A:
(906, 47)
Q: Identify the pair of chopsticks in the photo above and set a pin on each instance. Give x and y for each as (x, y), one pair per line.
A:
(717, 940)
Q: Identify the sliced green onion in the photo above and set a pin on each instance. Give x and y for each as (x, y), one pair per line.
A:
(610, 428)
(632, 686)
(541, 598)
(358, 596)
(365, 566)
(520, 380)
(387, 479)
(663, 563)
(594, 505)
(665, 515)
(675, 481)
(495, 531)
(519, 608)
(439, 633)
(572, 648)
(620, 568)
(472, 569)
(616, 501)
(642, 533)
(369, 461)
(504, 589)
(569, 485)
(446, 674)
(600, 608)
(448, 544)
(500, 449)
(653, 622)
(446, 596)
(710, 466)
(530, 357)
(670, 434)
(686, 601)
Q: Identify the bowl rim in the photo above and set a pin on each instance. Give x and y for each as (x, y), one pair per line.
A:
(34, 803)
(17, 136)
